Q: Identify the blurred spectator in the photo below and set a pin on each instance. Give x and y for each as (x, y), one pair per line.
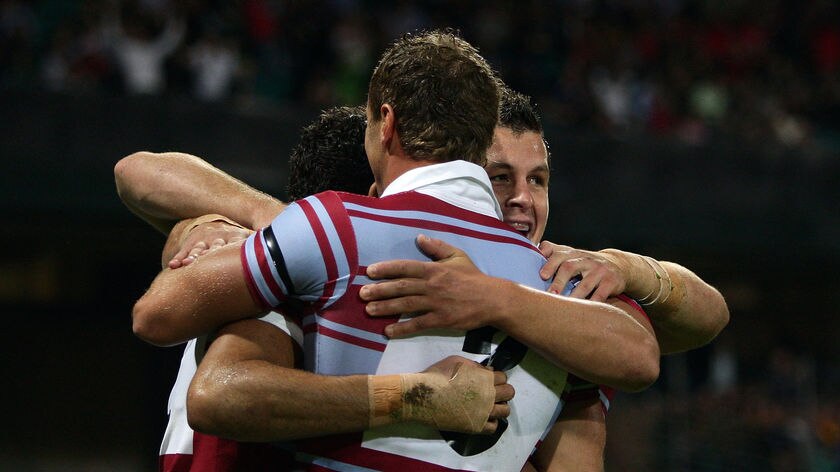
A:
(214, 62)
(140, 46)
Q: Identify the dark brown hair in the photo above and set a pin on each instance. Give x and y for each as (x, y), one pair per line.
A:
(444, 94)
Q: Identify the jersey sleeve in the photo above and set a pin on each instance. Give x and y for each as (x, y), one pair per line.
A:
(307, 254)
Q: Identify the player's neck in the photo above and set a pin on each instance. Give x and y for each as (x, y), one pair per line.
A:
(397, 165)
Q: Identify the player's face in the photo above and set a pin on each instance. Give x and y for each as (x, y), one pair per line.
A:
(518, 168)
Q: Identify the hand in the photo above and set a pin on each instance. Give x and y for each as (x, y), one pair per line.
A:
(466, 392)
(204, 238)
(601, 276)
(445, 294)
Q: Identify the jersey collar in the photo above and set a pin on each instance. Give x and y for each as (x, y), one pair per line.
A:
(459, 183)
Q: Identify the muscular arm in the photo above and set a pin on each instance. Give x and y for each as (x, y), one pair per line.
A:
(576, 442)
(605, 343)
(163, 188)
(685, 317)
(185, 303)
(693, 314)
(244, 390)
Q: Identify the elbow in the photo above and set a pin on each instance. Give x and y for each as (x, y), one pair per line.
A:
(644, 371)
(201, 407)
(148, 324)
(127, 170)
(721, 320)
(715, 323)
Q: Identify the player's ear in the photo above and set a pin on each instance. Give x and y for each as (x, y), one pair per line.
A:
(389, 124)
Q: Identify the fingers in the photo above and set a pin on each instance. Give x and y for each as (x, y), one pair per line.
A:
(490, 426)
(500, 410)
(177, 259)
(558, 257)
(198, 249)
(564, 273)
(412, 326)
(398, 306)
(216, 243)
(436, 249)
(187, 256)
(392, 289)
(397, 269)
(585, 286)
(601, 293)
(550, 267)
(504, 390)
(547, 248)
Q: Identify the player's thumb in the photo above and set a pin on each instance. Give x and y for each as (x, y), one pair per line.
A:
(436, 249)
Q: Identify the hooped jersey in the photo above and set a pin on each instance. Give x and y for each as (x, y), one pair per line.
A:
(314, 256)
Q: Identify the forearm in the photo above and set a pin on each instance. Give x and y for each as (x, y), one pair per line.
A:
(595, 341)
(279, 403)
(689, 312)
(163, 188)
(245, 388)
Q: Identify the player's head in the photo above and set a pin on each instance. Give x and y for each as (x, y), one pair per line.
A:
(442, 93)
(330, 155)
(518, 165)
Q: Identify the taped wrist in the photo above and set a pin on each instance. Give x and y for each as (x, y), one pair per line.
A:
(461, 403)
(385, 394)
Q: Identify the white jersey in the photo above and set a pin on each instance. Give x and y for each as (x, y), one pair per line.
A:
(183, 449)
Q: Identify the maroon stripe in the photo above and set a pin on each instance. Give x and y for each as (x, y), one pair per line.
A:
(341, 222)
(326, 252)
(249, 280)
(265, 271)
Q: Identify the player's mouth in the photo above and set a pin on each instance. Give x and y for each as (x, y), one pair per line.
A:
(522, 228)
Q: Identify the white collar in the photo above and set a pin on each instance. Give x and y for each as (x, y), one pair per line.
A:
(459, 183)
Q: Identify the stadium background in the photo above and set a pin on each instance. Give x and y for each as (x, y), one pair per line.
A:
(702, 132)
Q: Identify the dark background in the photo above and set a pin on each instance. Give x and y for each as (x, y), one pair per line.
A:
(752, 209)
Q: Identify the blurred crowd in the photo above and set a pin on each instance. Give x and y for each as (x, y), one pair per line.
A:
(763, 71)
(778, 416)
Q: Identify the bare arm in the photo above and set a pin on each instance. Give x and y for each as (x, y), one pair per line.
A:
(163, 188)
(605, 343)
(576, 442)
(245, 389)
(685, 311)
(185, 303)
